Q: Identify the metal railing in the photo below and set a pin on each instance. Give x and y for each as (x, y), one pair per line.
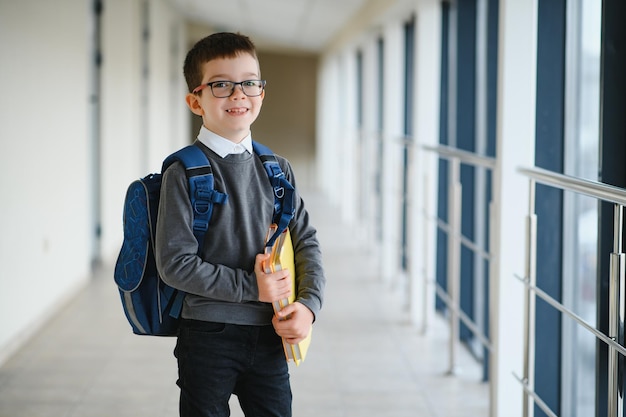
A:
(456, 240)
(600, 191)
(451, 297)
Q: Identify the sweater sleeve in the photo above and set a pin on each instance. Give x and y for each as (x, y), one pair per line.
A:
(310, 278)
(176, 249)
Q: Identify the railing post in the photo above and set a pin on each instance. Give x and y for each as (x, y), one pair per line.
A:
(454, 257)
(425, 257)
(529, 301)
(616, 316)
(494, 306)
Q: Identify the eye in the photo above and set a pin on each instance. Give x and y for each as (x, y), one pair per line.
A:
(252, 83)
(222, 84)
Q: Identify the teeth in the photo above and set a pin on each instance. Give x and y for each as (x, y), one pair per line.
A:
(238, 111)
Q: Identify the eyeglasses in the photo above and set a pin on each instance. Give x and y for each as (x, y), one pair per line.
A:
(222, 89)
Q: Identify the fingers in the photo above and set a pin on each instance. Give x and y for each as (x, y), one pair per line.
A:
(291, 334)
(294, 340)
(273, 286)
(286, 311)
(259, 262)
(293, 322)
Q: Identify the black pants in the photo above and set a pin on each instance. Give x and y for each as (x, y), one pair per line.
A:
(216, 360)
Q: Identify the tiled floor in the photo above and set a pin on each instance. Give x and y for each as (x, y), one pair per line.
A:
(365, 360)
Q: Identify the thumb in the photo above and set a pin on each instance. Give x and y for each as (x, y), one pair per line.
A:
(286, 311)
(260, 261)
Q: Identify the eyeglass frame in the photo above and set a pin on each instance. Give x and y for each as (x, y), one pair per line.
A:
(235, 84)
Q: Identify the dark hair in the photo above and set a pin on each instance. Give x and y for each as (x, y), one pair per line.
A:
(217, 45)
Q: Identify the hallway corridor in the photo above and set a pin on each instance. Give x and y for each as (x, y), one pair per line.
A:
(365, 360)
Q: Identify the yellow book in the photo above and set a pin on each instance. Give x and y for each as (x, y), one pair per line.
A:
(282, 257)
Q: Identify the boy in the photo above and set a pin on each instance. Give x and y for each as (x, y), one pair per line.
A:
(230, 339)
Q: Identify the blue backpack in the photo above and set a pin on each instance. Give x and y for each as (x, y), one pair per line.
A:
(151, 306)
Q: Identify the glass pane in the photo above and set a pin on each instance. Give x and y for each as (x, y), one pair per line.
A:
(583, 303)
(582, 133)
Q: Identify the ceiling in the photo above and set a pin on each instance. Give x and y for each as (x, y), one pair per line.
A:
(306, 25)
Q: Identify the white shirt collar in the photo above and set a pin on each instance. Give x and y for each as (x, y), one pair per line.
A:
(222, 146)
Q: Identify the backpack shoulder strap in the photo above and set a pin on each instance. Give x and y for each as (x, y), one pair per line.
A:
(202, 195)
(201, 192)
(284, 205)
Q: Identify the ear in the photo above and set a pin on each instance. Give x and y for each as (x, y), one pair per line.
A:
(193, 103)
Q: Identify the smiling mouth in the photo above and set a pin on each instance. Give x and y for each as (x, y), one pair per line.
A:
(237, 111)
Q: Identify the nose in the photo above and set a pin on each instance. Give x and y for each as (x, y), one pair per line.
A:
(237, 92)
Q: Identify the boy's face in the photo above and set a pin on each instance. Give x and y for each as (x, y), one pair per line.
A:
(229, 117)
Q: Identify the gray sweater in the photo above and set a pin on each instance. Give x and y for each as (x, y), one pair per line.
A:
(221, 284)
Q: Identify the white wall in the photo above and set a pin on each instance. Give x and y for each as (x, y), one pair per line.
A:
(515, 137)
(370, 145)
(423, 178)
(45, 167)
(393, 118)
(144, 119)
(338, 136)
(328, 127)
(44, 245)
(166, 91)
(121, 114)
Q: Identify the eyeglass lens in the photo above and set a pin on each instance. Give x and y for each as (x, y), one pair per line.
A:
(250, 88)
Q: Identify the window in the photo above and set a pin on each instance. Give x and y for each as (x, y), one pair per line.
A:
(582, 112)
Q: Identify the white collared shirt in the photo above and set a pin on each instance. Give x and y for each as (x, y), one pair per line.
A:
(222, 146)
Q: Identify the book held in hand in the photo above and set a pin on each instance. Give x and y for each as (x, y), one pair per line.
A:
(282, 257)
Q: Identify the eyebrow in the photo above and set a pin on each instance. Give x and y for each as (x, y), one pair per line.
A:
(226, 77)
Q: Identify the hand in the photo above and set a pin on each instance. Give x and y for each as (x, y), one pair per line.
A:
(273, 286)
(293, 322)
